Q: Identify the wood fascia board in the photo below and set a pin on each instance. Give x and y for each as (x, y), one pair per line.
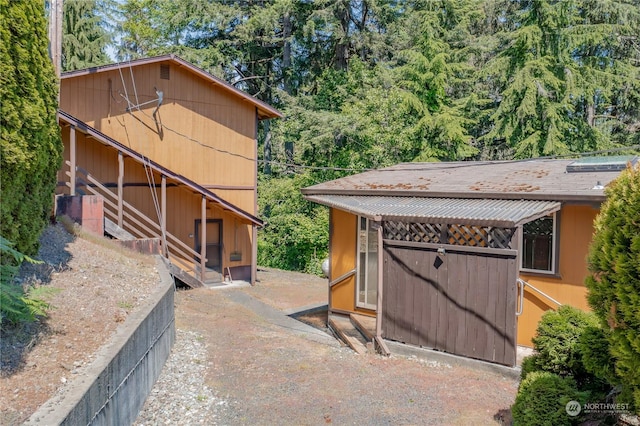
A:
(97, 135)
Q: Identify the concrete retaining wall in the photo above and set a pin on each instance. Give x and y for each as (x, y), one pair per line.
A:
(113, 390)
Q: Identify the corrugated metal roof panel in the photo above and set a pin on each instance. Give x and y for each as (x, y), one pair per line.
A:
(464, 211)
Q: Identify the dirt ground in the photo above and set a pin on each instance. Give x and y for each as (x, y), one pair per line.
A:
(264, 370)
(97, 284)
(270, 375)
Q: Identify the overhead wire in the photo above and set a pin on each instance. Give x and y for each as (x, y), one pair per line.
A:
(148, 170)
(458, 164)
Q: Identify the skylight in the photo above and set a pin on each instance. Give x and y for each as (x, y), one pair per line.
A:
(601, 164)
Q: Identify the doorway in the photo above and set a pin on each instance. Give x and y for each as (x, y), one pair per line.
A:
(213, 243)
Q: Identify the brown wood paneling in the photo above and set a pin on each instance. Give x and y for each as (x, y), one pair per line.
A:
(207, 134)
(459, 302)
(456, 324)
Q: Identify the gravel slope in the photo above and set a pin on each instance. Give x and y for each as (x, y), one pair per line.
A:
(98, 284)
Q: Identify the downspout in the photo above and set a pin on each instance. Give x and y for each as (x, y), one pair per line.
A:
(380, 343)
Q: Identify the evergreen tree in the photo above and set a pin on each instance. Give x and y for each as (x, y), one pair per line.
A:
(85, 34)
(614, 283)
(559, 66)
(30, 144)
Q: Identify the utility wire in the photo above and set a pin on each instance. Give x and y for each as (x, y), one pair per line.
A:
(459, 164)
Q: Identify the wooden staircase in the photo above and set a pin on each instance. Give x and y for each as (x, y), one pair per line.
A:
(357, 331)
(137, 227)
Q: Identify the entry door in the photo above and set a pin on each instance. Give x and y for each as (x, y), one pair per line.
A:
(213, 244)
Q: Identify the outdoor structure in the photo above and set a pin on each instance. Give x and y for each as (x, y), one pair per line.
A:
(169, 148)
(463, 257)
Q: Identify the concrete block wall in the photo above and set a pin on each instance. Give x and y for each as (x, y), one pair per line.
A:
(118, 382)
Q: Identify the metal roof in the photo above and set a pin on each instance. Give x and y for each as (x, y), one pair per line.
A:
(461, 211)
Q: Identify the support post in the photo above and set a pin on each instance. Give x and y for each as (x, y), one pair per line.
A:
(120, 189)
(203, 239)
(254, 254)
(163, 215)
(72, 160)
(379, 341)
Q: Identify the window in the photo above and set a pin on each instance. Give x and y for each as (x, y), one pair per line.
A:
(367, 286)
(538, 249)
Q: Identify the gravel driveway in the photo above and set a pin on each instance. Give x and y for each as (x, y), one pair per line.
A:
(239, 359)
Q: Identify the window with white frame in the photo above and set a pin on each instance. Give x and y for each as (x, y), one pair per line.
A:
(367, 285)
(538, 247)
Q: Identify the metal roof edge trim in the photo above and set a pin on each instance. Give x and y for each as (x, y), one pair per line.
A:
(540, 214)
(552, 206)
(358, 212)
(85, 128)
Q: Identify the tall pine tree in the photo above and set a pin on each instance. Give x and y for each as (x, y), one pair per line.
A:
(30, 144)
(85, 34)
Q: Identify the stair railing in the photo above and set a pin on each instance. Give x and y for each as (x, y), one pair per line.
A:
(521, 285)
(136, 222)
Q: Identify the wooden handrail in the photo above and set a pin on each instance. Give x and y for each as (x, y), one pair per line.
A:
(142, 222)
(342, 278)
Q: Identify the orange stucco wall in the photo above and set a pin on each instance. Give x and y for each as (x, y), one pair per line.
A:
(342, 248)
(576, 230)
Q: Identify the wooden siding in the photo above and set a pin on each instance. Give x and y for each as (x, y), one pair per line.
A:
(206, 134)
(461, 302)
(183, 205)
(576, 231)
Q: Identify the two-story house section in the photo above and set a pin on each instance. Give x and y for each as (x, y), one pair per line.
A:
(169, 147)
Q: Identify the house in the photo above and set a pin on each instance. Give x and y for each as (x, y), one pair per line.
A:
(172, 152)
(463, 257)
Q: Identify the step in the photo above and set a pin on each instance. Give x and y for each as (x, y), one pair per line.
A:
(348, 333)
(111, 228)
(365, 325)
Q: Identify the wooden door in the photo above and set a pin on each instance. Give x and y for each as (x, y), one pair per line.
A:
(213, 243)
(461, 301)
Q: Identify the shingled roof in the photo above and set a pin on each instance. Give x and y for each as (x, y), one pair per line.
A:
(547, 179)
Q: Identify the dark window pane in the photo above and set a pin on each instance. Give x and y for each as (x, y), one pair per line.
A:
(537, 244)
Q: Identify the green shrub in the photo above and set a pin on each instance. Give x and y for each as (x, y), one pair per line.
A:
(30, 142)
(596, 358)
(542, 398)
(614, 281)
(296, 232)
(529, 365)
(16, 304)
(556, 342)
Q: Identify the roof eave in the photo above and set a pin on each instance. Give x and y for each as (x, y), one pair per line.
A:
(597, 197)
(265, 111)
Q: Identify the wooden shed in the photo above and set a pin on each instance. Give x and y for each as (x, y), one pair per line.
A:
(463, 257)
(169, 147)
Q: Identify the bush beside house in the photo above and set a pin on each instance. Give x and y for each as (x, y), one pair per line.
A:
(593, 357)
(614, 281)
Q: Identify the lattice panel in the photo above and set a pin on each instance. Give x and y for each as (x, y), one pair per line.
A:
(415, 232)
(501, 237)
(462, 235)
